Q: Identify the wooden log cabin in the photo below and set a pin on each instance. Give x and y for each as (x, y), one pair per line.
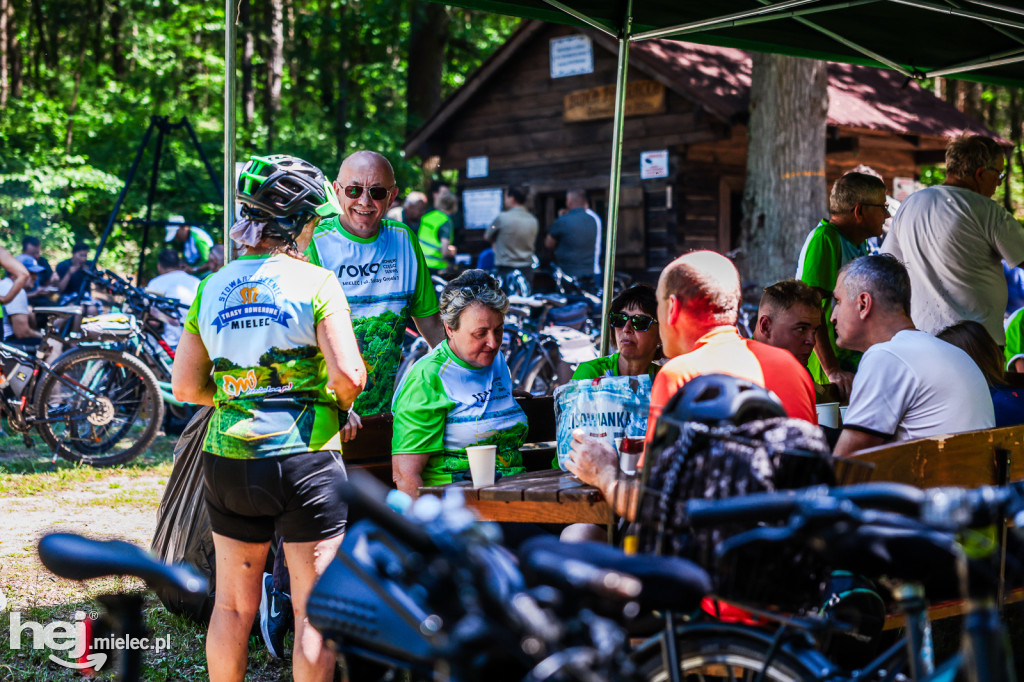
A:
(549, 134)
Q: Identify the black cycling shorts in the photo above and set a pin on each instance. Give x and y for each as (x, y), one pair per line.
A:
(296, 495)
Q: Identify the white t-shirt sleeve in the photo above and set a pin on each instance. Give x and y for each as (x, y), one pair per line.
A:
(1007, 235)
(881, 392)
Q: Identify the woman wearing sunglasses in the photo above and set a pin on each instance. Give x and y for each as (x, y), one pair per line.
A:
(460, 394)
(634, 317)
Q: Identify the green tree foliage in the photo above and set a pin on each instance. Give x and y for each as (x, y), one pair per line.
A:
(84, 78)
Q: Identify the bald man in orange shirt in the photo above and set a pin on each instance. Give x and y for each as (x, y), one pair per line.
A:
(698, 303)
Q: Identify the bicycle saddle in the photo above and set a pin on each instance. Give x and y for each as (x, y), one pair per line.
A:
(58, 309)
(78, 558)
(669, 583)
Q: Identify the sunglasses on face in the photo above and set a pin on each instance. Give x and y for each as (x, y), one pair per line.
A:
(641, 323)
(376, 193)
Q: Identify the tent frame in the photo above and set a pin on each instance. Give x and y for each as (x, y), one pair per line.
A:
(797, 10)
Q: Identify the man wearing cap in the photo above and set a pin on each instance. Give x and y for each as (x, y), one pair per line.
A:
(195, 243)
(17, 320)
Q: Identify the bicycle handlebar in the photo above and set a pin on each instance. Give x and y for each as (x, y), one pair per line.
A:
(78, 558)
(363, 493)
(944, 508)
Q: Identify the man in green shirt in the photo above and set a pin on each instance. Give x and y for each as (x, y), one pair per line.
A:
(858, 209)
(195, 244)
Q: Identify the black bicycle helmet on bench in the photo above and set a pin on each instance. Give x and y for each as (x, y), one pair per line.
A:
(721, 399)
(285, 192)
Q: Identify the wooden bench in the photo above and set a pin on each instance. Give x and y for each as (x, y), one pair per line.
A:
(967, 460)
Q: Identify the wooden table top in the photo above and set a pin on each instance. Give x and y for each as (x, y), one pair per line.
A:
(548, 496)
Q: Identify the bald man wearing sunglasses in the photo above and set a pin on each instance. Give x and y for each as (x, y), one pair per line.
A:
(698, 303)
(383, 273)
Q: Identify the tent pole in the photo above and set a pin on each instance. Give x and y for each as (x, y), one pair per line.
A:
(579, 15)
(230, 17)
(717, 24)
(124, 191)
(613, 179)
(151, 194)
(964, 68)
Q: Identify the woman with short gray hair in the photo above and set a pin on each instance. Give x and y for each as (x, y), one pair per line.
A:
(460, 394)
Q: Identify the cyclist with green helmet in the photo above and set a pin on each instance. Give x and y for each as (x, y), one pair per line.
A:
(268, 342)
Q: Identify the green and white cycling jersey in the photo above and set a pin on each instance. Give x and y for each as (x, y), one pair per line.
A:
(197, 247)
(257, 317)
(386, 281)
(444, 405)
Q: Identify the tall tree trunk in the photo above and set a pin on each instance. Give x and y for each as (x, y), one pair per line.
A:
(16, 60)
(5, 85)
(1016, 134)
(275, 66)
(69, 128)
(428, 36)
(116, 42)
(785, 192)
(248, 50)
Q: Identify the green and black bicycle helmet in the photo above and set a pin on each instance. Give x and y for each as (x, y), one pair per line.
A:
(285, 192)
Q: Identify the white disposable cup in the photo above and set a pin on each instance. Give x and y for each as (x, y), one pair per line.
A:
(481, 464)
(828, 414)
(628, 462)
(842, 413)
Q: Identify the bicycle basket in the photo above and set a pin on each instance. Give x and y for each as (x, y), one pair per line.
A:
(109, 327)
(716, 462)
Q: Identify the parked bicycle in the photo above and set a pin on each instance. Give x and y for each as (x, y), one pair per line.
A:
(94, 405)
(433, 592)
(134, 328)
(903, 536)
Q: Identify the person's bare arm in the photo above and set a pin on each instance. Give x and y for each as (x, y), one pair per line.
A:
(550, 242)
(851, 441)
(21, 327)
(407, 472)
(192, 373)
(1018, 365)
(840, 378)
(346, 373)
(430, 328)
(595, 462)
(16, 271)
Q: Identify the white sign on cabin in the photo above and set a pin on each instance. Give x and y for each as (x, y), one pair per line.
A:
(654, 164)
(476, 167)
(481, 206)
(571, 56)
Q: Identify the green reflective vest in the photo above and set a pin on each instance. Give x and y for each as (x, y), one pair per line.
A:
(430, 239)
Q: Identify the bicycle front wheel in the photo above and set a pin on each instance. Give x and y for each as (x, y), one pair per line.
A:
(99, 407)
(727, 659)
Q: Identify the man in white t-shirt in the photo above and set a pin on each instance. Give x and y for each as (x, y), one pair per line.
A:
(172, 282)
(951, 238)
(909, 384)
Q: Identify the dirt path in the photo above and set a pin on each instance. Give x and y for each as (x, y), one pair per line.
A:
(115, 506)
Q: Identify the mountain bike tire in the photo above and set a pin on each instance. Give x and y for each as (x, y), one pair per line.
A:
(105, 436)
(720, 658)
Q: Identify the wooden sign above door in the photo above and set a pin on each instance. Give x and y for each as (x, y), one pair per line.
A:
(642, 97)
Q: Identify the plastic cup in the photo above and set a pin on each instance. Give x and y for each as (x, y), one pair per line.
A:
(629, 454)
(481, 464)
(842, 413)
(828, 414)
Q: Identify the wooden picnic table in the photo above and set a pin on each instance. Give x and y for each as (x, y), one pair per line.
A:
(548, 496)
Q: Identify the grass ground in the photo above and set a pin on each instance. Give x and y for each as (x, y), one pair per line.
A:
(38, 494)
